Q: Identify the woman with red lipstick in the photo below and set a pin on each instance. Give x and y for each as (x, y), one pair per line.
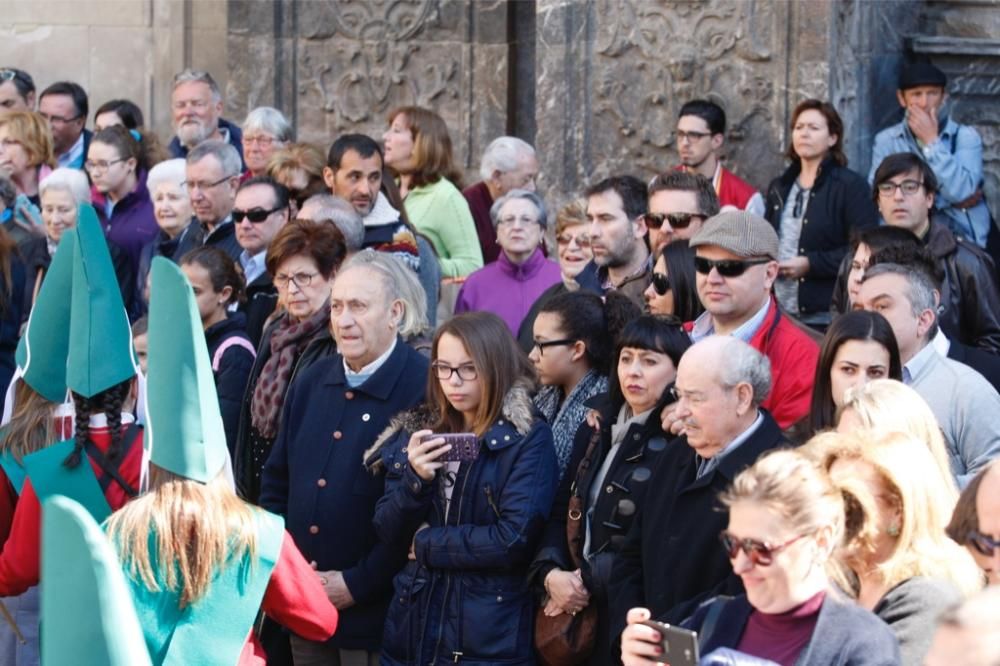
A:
(471, 524)
(607, 477)
(814, 206)
(786, 517)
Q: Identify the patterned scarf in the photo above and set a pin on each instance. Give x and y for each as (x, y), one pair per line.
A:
(287, 343)
(565, 418)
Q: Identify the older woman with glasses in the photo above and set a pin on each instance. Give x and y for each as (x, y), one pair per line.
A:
(786, 517)
(508, 286)
(302, 258)
(573, 252)
(265, 131)
(672, 289)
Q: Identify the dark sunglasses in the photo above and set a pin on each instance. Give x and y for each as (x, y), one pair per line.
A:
(255, 215)
(661, 283)
(675, 220)
(726, 267)
(760, 553)
(984, 545)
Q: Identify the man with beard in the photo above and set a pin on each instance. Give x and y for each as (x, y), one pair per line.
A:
(616, 224)
(196, 107)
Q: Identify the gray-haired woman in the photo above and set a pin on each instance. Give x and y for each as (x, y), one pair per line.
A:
(509, 286)
(265, 131)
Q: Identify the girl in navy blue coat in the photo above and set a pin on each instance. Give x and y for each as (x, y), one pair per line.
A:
(217, 285)
(471, 526)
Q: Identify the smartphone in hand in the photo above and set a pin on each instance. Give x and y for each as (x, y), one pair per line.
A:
(464, 446)
(680, 646)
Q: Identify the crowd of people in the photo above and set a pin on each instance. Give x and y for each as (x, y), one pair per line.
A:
(273, 402)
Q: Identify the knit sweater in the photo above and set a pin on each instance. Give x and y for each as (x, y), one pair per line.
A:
(440, 212)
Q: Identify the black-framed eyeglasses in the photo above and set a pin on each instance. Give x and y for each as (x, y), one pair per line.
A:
(188, 185)
(300, 279)
(542, 344)
(661, 283)
(985, 545)
(726, 267)
(761, 554)
(59, 120)
(255, 215)
(466, 372)
(691, 136)
(909, 188)
(100, 165)
(675, 220)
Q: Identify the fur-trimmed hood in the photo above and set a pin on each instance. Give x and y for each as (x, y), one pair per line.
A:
(517, 408)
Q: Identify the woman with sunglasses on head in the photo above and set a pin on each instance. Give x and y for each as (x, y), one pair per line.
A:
(573, 253)
(897, 561)
(470, 518)
(786, 518)
(814, 206)
(859, 347)
(302, 259)
(608, 474)
(672, 289)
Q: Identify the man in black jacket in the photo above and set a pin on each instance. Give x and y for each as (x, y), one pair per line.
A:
(672, 560)
(970, 300)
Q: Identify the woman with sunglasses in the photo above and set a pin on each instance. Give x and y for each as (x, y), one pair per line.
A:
(786, 518)
(814, 206)
(963, 529)
(302, 258)
(898, 562)
(672, 289)
(859, 347)
(470, 521)
(607, 476)
(573, 253)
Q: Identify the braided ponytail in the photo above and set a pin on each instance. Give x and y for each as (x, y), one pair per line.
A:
(109, 402)
(84, 407)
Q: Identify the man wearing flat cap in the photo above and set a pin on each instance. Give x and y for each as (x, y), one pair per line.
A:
(736, 265)
(953, 151)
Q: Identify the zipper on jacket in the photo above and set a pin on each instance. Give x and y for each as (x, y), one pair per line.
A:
(458, 655)
(488, 489)
(447, 587)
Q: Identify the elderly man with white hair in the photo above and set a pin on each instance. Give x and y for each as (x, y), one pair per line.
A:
(265, 131)
(328, 207)
(508, 164)
(671, 560)
(196, 111)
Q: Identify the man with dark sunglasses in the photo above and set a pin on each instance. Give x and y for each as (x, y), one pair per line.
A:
(986, 539)
(679, 203)
(17, 90)
(736, 266)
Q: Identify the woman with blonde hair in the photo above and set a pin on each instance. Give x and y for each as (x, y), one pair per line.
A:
(418, 149)
(299, 167)
(886, 405)
(786, 518)
(897, 560)
(26, 157)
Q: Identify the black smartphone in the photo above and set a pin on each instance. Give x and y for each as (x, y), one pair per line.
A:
(680, 646)
(464, 446)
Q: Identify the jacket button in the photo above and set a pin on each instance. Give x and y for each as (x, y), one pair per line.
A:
(396, 465)
(805, 221)
(609, 489)
(349, 395)
(635, 436)
(321, 483)
(313, 529)
(366, 417)
(337, 434)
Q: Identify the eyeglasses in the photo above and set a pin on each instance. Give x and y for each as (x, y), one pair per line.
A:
(541, 345)
(7, 144)
(59, 120)
(300, 279)
(691, 136)
(465, 372)
(675, 220)
(197, 104)
(196, 185)
(726, 267)
(262, 141)
(909, 187)
(255, 215)
(661, 283)
(582, 239)
(984, 545)
(512, 220)
(760, 553)
(12, 74)
(100, 165)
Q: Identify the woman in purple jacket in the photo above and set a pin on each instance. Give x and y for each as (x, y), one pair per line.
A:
(509, 286)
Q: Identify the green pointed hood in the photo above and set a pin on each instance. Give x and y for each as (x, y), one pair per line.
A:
(100, 340)
(86, 607)
(42, 351)
(183, 424)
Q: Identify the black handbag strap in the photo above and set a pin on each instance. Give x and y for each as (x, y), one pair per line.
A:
(110, 470)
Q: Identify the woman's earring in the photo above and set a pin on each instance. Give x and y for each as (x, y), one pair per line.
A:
(892, 530)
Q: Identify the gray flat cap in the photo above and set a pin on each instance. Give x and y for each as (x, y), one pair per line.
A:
(742, 233)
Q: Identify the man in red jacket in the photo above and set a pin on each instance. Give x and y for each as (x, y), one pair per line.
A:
(736, 265)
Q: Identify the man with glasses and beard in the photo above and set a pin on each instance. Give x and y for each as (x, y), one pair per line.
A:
(196, 112)
(679, 202)
(736, 265)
